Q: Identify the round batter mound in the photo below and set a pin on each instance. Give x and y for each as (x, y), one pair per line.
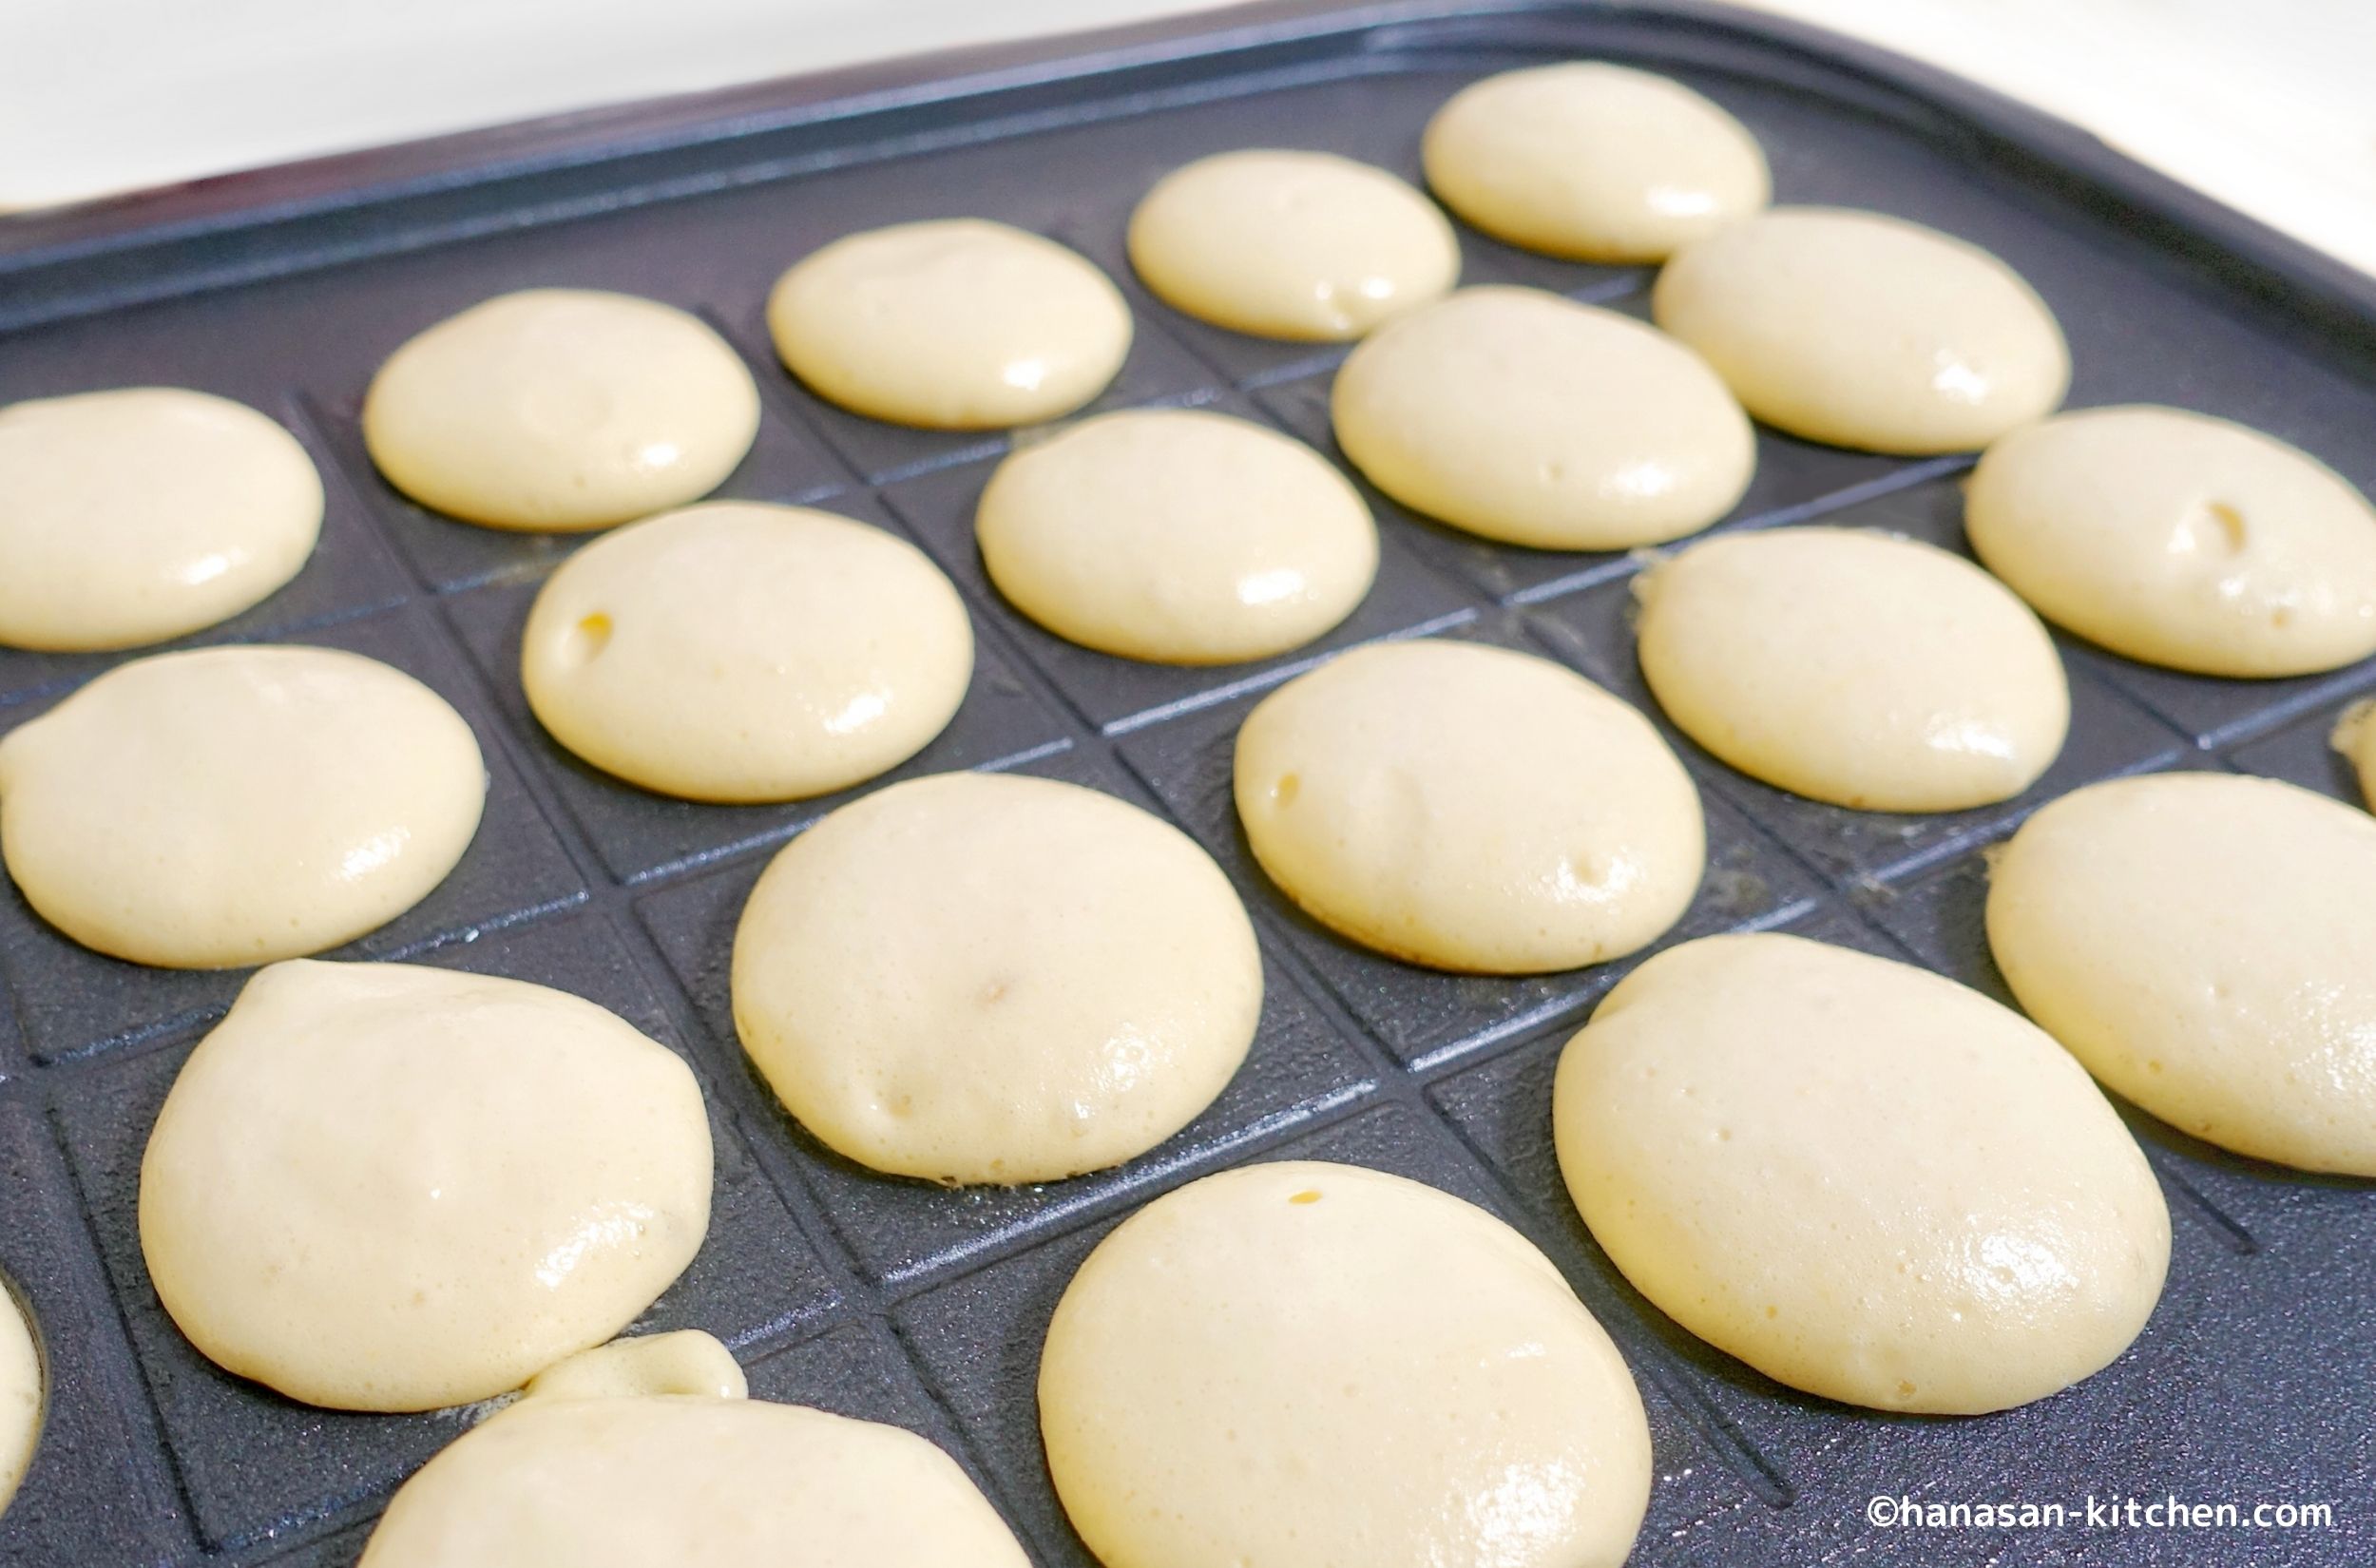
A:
(1527, 418)
(739, 652)
(133, 516)
(1302, 1364)
(684, 1362)
(2205, 944)
(381, 1187)
(2180, 540)
(992, 977)
(561, 409)
(233, 806)
(1853, 667)
(1858, 1176)
(1178, 536)
(1469, 808)
(725, 1482)
(953, 324)
(20, 1395)
(1866, 331)
(1593, 162)
(1300, 245)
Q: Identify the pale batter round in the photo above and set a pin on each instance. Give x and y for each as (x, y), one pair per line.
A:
(684, 1362)
(1866, 331)
(237, 805)
(950, 324)
(2355, 737)
(1469, 808)
(1315, 1365)
(739, 652)
(385, 1187)
(1854, 667)
(995, 978)
(2180, 540)
(1593, 162)
(561, 409)
(20, 1395)
(145, 513)
(1300, 245)
(634, 1482)
(2205, 945)
(1530, 419)
(1178, 536)
(1860, 1177)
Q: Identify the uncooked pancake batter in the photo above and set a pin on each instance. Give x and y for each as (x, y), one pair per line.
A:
(1860, 1177)
(2180, 540)
(1469, 807)
(2204, 943)
(950, 324)
(740, 652)
(133, 516)
(237, 805)
(1866, 331)
(562, 410)
(1178, 536)
(1853, 667)
(995, 978)
(387, 1187)
(1301, 1363)
(20, 1395)
(1530, 419)
(1593, 162)
(1299, 245)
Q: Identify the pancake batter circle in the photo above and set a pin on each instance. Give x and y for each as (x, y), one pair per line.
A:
(2204, 943)
(1526, 418)
(950, 324)
(1860, 1177)
(2180, 540)
(1304, 1363)
(561, 409)
(1871, 672)
(137, 515)
(21, 1395)
(1177, 536)
(739, 652)
(384, 1187)
(1306, 246)
(1593, 162)
(1866, 331)
(237, 805)
(992, 977)
(1469, 808)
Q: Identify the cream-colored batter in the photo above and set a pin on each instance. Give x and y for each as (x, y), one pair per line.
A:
(2354, 735)
(385, 1187)
(1593, 162)
(237, 805)
(1300, 245)
(740, 652)
(1866, 331)
(995, 978)
(2204, 943)
(1303, 1364)
(2180, 540)
(1178, 536)
(145, 513)
(561, 409)
(950, 324)
(20, 1395)
(1469, 808)
(1860, 1177)
(1533, 420)
(1854, 667)
(580, 1481)
(684, 1362)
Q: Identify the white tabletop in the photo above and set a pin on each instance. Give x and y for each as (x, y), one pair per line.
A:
(2267, 106)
